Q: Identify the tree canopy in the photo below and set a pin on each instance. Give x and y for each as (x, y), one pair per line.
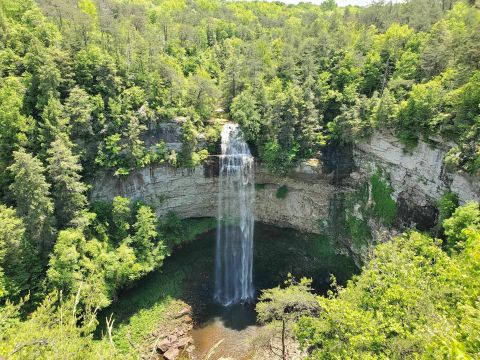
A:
(85, 86)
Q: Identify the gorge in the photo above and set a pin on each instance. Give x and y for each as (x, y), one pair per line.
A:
(317, 191)
(239, 180)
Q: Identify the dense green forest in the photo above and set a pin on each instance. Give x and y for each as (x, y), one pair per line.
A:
(83, 84)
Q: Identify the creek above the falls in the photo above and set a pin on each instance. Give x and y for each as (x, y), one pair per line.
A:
(188, 276)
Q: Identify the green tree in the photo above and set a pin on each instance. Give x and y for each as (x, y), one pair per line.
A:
(411, 300)
(354, 121)
(96, 72)
(32, 196)
(65, 271)
(11, 237)
(14, 126)
(244, 111)
(53, 124)
(436, 55)
(68, 191)
(44, 84)
(149, 249)
(464, 217)
(232, 79)
(121, 218)
(447, 204)
(189, 143)
(310, 131)
(384, 112)
(58, 320)
(421, 113)
(202, 93)
(281, 307)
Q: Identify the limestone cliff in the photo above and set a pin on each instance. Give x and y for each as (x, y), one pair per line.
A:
(334, 195)
(193, 193)
(418, 177)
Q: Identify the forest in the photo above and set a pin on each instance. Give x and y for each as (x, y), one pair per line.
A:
(85, 83)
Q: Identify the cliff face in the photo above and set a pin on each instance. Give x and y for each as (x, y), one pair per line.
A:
(420, 171)
(418, 178)
(193, 193)
(306, 203)
(187, 192)
(319, 196)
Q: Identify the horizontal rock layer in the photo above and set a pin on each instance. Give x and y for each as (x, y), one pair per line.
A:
(417, 178)
(419, 173)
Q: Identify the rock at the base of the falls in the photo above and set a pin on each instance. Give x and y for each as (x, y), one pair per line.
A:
(184, 342)
(163, 346)
(175, 344)
(184, 312)
(171, 354)
(172, 340)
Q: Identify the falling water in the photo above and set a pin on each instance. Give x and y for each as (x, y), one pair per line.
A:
(234, 251)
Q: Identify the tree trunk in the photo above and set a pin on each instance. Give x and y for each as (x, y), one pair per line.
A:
(284, 353)
(165, 33)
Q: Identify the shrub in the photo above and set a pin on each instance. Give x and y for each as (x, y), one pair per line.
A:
(447, 204)
(278, 159)
(384, 207)
(467, 216)
(282, 192)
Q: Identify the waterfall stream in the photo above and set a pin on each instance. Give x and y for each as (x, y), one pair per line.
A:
(234, 243)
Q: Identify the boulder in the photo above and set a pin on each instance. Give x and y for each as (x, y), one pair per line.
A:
(164, 345)
(184, 312)
(184, 342)
(171, 354)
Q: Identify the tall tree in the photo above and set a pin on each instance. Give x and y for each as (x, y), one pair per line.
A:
(13, 124)
(121, 218)
(53, 124)
(11, 236)
(68, 190)
(244, 111)
(149, 250)
(32, 196)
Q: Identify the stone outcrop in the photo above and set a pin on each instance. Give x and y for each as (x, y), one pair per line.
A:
(193, 192)
(309, 191)
(187, 192)
(418, 179)
(172, 341)
(419, 171)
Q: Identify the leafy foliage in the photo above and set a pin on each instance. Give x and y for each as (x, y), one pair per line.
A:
(279, 307)
(447, 204)
(32, 195)
(86, 86)
(12, 233)
(56, 329)
(411, 300)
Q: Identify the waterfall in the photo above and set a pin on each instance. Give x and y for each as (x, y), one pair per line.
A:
(234, 246)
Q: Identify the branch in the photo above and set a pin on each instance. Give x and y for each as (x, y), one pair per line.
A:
(273, 348)
(110, 322)
(20, 346)
(129, 338)
(212, 349)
